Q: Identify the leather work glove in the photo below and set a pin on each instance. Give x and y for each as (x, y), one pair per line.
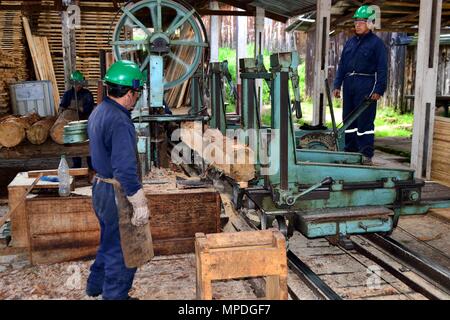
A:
(141, 214)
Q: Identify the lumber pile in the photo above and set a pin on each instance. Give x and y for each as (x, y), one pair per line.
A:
(13, 129)
(57, 130)
(42, 60)
(440, 166)
(13, 55)
(235, 160)
(94, 34)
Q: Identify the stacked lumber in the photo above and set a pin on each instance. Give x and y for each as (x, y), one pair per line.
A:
(42, 60)
(440, 167)
(57, 130)
(13, 129)
(44, 24)
(175, 97)
(95, 34)
(13, 55)
(235, 160)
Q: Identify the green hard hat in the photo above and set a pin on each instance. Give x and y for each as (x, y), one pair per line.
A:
(77, 76)
(364, 12)
(125, 73)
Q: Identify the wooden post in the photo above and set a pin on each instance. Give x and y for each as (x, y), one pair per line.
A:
(214, 33)
(321, 59)
(69, 46)
(259, 49)
(425, 88)
(241, 52)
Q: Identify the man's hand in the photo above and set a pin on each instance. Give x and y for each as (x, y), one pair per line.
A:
(337, 93)
(375, 97)
(141, 214)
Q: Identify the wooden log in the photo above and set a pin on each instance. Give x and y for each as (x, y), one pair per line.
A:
(235, 160)
(13, 129)
(57, 130)
(39, 132)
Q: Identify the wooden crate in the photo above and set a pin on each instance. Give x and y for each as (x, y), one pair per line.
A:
(440, 166)
(178, 215)
(63, 229)
(242, 255)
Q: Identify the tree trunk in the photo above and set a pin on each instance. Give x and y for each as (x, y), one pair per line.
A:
(57, 131)
(13, 129)
(39, 132)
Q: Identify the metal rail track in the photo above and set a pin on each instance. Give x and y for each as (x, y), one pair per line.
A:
(428, 269)
(312, 280)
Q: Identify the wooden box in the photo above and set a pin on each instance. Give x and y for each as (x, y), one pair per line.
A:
(177, 215)
(440, 166)
(64, 229)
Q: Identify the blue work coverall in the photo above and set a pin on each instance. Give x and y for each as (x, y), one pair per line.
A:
(362, 71)
(112, 142)
(85, 106)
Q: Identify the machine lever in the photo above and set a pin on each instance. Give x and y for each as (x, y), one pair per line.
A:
(293, 199)
(298, 110)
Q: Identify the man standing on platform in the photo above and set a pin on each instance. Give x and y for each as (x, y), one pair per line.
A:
(363, 73)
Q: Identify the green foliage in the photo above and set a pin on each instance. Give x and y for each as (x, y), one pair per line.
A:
(230, 55)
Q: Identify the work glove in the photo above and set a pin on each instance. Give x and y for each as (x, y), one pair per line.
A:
(141, 214)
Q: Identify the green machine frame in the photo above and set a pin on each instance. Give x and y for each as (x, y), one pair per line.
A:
(322, 193)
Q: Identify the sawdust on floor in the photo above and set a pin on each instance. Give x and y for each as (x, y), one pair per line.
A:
(164, 278)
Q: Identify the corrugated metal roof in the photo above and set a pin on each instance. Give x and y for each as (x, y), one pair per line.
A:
(287, 8)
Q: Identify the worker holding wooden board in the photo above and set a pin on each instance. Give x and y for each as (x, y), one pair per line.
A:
(117, 194)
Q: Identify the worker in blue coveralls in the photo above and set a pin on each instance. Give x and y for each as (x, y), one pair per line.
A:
(112, 140)
(83, 102)
(362, 71)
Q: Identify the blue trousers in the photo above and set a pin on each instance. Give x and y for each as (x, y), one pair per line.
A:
(109, 275)
(360, 135)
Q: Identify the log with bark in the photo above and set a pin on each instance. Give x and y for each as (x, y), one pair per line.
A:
(39, 132)
(13, 129)
(57, 131)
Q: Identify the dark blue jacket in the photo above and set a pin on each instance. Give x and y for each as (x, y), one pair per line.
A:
(112, 143)
(84, 96)
(366, 54)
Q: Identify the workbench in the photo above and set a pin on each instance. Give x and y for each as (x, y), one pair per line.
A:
(49, 149)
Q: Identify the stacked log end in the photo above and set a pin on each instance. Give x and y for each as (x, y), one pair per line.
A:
(40, 131)
(57, 130)
(13, 129)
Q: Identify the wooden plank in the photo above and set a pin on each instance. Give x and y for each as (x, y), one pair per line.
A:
(320, 58)
(425, 87)
(49, 149)
(54, 172)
